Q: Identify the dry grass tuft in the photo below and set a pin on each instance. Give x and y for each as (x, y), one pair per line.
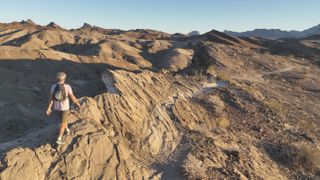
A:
(276, 105)
(223, 75)
(223, 122)
(301, 157)
(309, 157)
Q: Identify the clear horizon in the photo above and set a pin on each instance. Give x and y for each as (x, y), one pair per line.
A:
(168, 16)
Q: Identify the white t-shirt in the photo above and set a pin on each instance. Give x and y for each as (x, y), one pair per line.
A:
(62, 105)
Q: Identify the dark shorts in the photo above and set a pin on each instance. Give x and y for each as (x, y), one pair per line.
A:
(63, 116)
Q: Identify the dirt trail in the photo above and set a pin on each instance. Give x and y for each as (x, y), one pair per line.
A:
(281, 70)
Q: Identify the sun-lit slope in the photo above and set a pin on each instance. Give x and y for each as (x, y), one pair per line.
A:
(155, 105)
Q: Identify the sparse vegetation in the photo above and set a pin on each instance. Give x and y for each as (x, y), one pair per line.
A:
(212, 70)
(223, 75)
(309, 156)
(276, 106)
(200, 76)
(223, 122)
(252, 91)
(300, 157)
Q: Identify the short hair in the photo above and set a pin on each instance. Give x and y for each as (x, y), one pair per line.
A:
(61, 75)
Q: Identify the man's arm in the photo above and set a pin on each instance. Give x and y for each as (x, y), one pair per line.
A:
(50, 105)
(74, 100)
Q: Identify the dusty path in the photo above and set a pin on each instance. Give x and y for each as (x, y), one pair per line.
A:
(172, 167)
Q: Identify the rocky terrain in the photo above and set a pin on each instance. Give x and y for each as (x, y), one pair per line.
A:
(159, 106)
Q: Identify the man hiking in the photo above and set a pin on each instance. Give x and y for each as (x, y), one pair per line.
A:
(59, 98)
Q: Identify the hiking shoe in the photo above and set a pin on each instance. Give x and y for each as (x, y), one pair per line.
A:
(60, 142)
(68, 131)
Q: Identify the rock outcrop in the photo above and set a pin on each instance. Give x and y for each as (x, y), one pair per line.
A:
(114, 135)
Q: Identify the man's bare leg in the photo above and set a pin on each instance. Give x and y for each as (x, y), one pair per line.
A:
(67, 130)
(61, 131)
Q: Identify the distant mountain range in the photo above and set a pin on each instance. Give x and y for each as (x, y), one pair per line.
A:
(277, 33)
(194, 33)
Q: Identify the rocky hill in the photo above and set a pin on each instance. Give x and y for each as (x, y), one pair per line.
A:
(277, 33)
(159, 106)
(194, 33)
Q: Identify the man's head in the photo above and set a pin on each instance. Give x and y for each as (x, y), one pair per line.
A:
(61, 77)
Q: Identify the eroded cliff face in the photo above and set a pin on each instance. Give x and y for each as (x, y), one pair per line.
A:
(159, 106)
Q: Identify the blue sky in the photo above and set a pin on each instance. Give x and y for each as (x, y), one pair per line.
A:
(167, 15)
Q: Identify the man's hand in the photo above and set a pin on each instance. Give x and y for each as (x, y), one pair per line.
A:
(75, 101)
(78, 105)
(48, 112)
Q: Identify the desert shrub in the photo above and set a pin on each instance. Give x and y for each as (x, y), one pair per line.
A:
(212, 70)
(223, 122)
(223, 75)
(300, 157)
(276, 105)
(199, 75)
(310, 157)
